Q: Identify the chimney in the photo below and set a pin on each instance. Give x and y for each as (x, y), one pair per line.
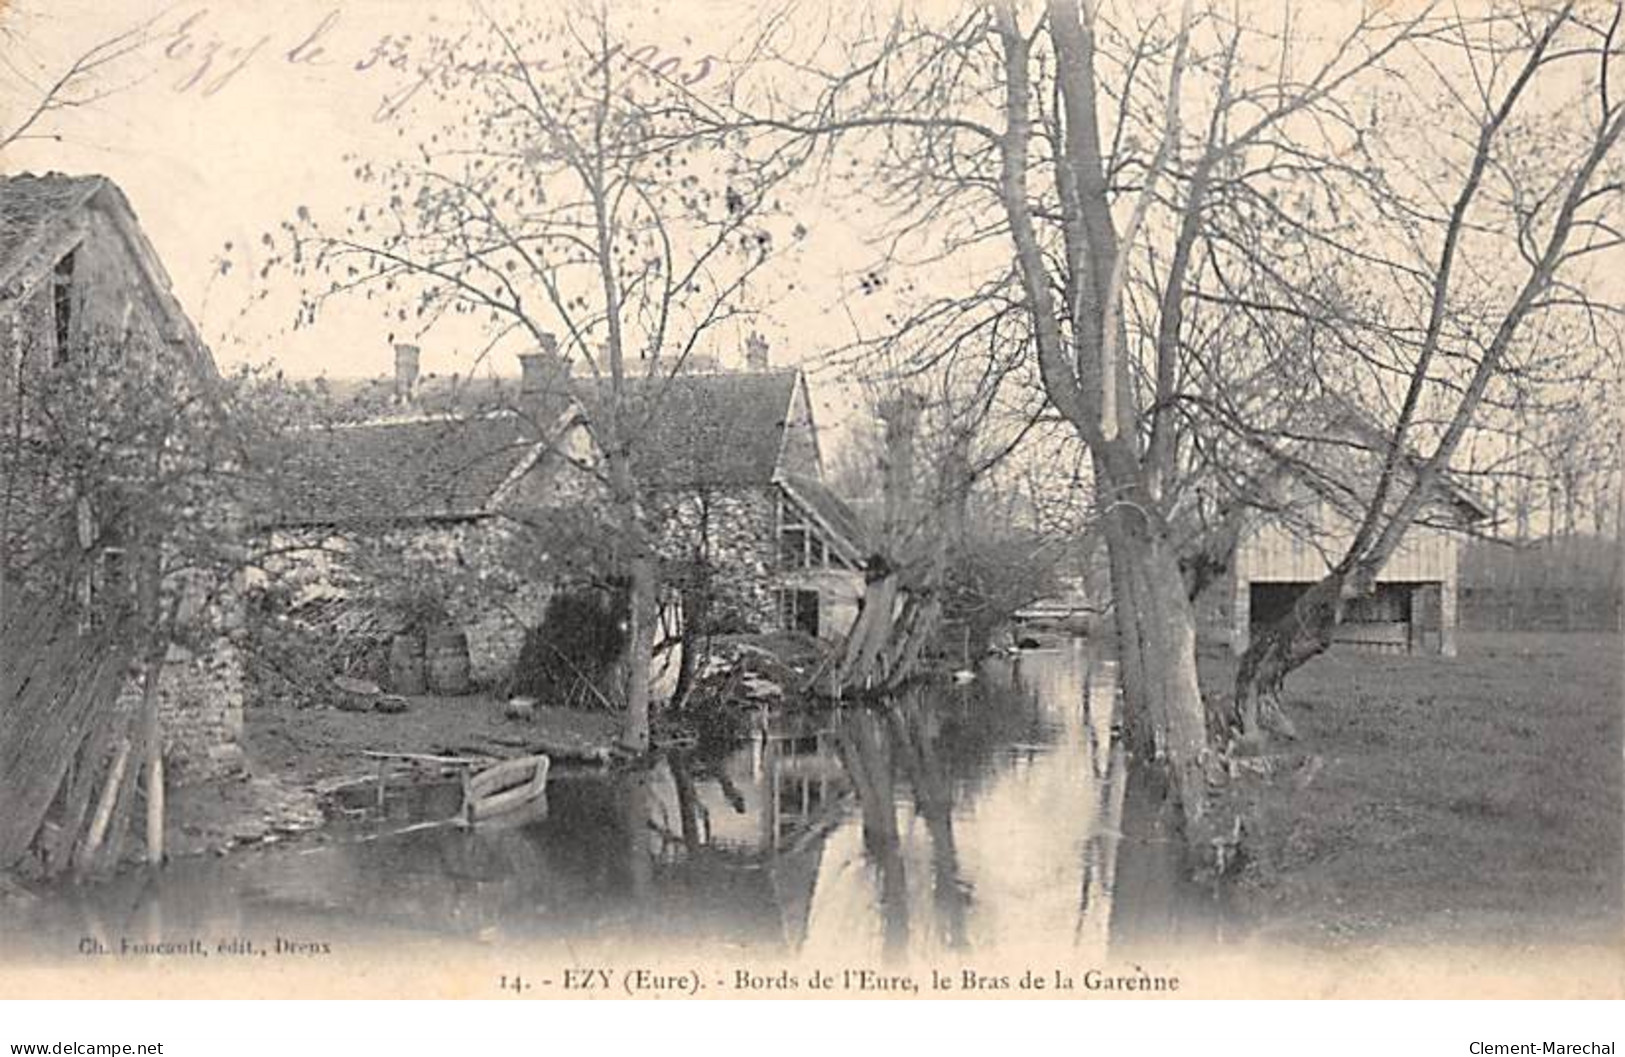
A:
(406, 373)
(755, 352)
(543, 372)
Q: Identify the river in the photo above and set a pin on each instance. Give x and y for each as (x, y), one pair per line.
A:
(993, 815)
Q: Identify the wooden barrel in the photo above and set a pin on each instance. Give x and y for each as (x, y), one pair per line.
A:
(447, 658)
(406, 664)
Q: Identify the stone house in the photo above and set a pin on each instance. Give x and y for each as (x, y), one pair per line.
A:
(83, 297)
(411, 507)
(731, 466)
(728, 462)
(1317, 498)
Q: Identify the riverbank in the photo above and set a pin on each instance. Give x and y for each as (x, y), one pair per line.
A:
(295, 757)
(1455, 801)
(297, 754)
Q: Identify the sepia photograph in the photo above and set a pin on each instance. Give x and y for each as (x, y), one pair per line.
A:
(812, 499)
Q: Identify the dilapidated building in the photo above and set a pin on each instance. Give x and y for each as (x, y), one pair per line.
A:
(731, 461)
(415, 514)
(86, 310)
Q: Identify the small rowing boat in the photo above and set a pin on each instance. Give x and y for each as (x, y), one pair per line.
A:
(491, 790)
(504, 787)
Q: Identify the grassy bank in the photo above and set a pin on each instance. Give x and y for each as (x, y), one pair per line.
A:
(1459, 800)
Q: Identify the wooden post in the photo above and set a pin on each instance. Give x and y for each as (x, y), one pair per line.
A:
(99, 821)
(1447, 616)
(1240, 612)
(152, 726)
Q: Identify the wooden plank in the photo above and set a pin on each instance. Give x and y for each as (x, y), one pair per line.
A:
(424, 757)
(72, 690)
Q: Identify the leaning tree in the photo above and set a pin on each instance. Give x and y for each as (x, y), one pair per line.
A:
(1205, 216)
(1503, 199)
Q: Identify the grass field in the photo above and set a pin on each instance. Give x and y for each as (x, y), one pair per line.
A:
(1466, 800)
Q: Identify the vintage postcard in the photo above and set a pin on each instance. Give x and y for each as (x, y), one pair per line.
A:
(771, 498)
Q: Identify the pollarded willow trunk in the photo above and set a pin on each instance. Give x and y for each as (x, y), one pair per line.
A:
(1156, 630)
(1143, 732)
(895, 622)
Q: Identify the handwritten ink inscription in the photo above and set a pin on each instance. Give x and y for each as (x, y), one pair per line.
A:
(207, 59)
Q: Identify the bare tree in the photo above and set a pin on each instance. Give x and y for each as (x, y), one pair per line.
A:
(38, 97)
(1127, 161)
(573, 191)
(1550, 202)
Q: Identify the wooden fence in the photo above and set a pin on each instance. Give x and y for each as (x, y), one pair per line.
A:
(68, 764)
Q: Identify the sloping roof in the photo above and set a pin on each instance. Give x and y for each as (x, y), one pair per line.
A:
(444, 394)
(404, 469)
(34, 211)
(701, 430)
(1335, 439)
(43, 217)
(832, 511)
(721, 429)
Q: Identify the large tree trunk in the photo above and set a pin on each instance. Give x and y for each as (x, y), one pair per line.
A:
(643, 615)
(1156, 634)
(1157, 627)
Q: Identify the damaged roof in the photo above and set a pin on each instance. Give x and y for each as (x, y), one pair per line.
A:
(42, 218)
(34, 211)
(832, 511)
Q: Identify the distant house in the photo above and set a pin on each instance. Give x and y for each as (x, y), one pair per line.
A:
(80, 286)
(1285, 549)
(732, 462)
(432, 501)
(444, 469)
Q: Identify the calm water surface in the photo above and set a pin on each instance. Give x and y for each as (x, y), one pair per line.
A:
(972, 817)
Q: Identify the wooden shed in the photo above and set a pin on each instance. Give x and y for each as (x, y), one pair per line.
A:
(1284, 550)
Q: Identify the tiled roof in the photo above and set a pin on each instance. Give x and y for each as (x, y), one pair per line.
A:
(691, 430)
(423, 468)
(32, 208)
(701, 430)
(832, 510)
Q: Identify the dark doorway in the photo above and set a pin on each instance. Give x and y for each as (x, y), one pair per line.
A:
(798, 611)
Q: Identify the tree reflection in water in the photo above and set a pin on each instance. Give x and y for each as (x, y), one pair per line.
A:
(946, 819)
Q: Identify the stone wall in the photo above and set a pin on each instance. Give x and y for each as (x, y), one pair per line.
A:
(732, 531)
(464, 567)
(201, 709)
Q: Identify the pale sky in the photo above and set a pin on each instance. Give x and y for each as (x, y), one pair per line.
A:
(240, 112)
